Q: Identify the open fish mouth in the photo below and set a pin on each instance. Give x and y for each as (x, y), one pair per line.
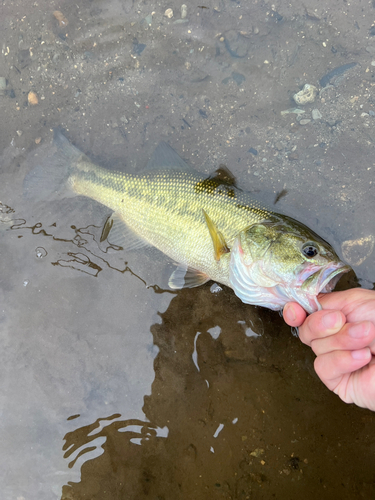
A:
(325, 280)
(322, 281)
(327, 284)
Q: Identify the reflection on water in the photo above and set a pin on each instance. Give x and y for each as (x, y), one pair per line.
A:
(228, 416)
(86, 238)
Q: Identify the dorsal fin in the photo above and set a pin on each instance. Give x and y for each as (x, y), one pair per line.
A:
(220, 246)
(165, 157)
(223, 176)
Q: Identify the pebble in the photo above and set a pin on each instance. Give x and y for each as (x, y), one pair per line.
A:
(297, 111)
(3, 84)
(148, 19)
(183, 11)
(61, 18)
(215, 288)
(238, 77)
(293, 156)
(37, 140)
(316, 114)
(306, 95)
(305, 121)
(372, 63)
(32, 98)
(169, 13)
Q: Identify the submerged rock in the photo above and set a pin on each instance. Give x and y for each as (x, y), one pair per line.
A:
(306, 95)
(355, 252)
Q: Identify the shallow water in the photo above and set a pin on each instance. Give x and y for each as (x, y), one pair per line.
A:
(112, 386)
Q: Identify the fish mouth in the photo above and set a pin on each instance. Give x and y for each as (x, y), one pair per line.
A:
(321, 281)
(325, 280)
(331, 281)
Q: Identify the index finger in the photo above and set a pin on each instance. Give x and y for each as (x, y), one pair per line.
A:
(345, 299)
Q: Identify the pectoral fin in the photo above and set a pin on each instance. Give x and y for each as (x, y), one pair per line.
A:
(186, 277)
(220, 246)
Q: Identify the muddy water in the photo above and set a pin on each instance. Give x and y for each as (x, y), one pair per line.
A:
(111, 386)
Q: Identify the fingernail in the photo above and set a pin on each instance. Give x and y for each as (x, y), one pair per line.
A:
(332, 320)
(361, 354)
(359, 330)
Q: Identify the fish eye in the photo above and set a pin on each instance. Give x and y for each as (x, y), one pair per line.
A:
(309, 250)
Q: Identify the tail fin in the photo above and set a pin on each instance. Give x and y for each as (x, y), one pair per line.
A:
(48, 180)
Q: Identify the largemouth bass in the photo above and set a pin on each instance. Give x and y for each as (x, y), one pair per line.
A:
(209, 227)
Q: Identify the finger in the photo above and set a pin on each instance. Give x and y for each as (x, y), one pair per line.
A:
(351, 337)
(321, 324)
(294, 314)
(333, 366)
(340, 300)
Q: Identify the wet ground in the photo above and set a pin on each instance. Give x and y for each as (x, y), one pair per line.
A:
(111, 386)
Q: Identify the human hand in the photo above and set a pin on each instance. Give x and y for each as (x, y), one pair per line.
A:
(342, 335)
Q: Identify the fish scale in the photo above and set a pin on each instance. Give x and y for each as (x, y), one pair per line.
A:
(166, 209)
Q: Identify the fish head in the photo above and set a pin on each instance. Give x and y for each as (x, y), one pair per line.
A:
(281, 260)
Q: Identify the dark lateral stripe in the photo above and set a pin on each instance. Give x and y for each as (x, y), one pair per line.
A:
(115, 181)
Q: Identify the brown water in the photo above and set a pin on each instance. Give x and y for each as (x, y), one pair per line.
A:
(111, 386)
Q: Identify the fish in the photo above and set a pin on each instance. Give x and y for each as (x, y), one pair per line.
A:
(209, 227)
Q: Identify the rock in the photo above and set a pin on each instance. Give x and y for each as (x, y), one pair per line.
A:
(32, 98)
(316, 114)
(3, 84)
(305, 121)
(238, 77)
(306, 95)
(63, 22)
(168, 13)
(355, 252)
(297, 111)
(293, 156)
(183, 11)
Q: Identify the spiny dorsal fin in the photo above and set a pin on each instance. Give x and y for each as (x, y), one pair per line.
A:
(220, 246)
(223, 176)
